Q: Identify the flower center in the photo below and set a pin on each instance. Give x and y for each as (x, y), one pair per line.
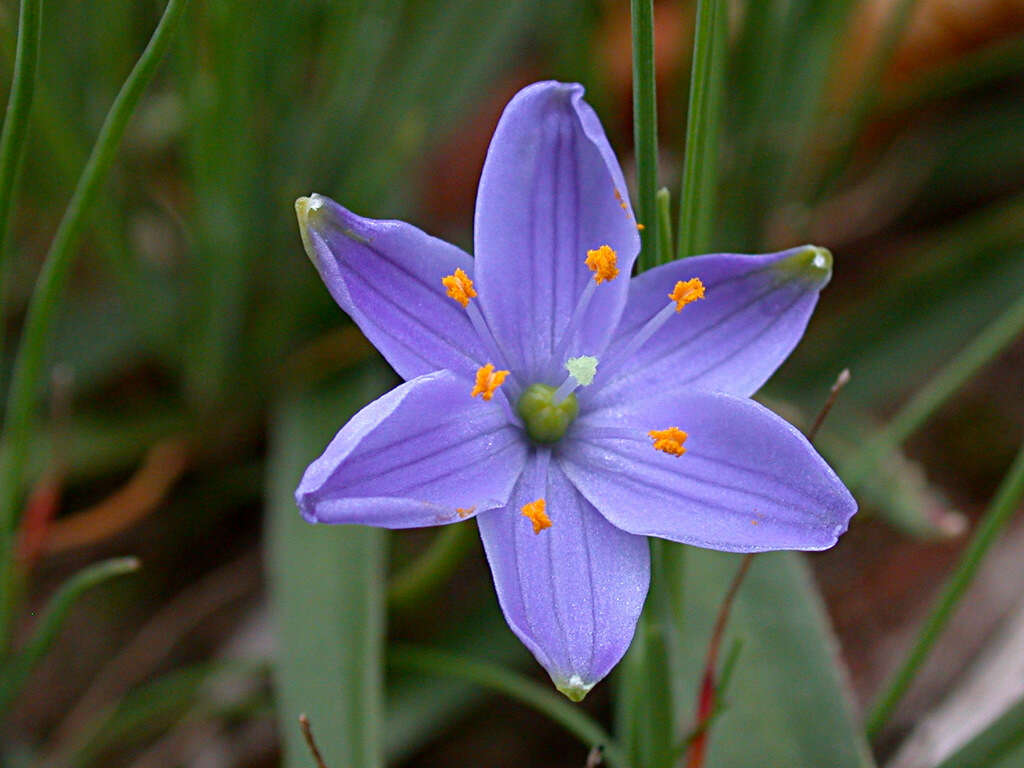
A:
(546, 420)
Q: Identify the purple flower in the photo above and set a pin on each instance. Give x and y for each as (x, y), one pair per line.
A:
(571, 410)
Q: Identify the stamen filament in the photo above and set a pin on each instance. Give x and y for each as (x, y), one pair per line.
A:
(682, 294)
(649, 328)
(494, 349)
(459, 287)
(535, 511)
(602, 262)
(574, 322)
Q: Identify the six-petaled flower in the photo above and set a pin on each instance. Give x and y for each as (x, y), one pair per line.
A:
(609, 408)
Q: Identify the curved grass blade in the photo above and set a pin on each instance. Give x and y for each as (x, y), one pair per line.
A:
(23, 398)
(512, 684)
(17, 668)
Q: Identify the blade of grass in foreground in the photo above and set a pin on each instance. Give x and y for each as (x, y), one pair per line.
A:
(327, 593)
(23, 398)
(999, 512)
(700, 169)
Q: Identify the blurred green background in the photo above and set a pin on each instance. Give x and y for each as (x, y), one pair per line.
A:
(198, 364)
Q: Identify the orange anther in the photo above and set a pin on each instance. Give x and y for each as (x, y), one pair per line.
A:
(487, 381)
(669, 440)
(459, 286)
(687, 292)
(602, 263)
(534, 512)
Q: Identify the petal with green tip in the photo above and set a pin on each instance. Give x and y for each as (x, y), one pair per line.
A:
(387, 276)
(755, 310)
(573, 592)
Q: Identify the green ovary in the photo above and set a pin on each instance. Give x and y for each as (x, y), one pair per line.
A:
(546, 422)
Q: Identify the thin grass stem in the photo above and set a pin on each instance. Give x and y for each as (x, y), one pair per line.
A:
(666, 243)
(15, 130)
(700, 167)
(645, 128)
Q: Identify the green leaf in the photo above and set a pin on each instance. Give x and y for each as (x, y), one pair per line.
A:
(787, 702)
(326, 591)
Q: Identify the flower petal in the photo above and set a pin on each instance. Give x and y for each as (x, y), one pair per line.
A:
(551, 190)
(387, 276)
(573, 592)
(748, 481)
(425, 453)
(754, 312)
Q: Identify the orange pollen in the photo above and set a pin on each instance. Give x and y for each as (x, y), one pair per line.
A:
(465, 512)
(687, 293)
(534, 512)
(640, 226)
(602, 263)
(459, 286)
(487, 381)
(669, 440)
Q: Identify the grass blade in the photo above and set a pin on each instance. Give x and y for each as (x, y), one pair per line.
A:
(1010, 492)
(700, 169)
(939, 389)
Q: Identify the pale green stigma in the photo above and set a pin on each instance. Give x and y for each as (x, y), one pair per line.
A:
(546, 421)
(583, 369)
(811, 263)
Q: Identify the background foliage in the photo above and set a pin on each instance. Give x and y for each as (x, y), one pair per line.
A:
(197, 364)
